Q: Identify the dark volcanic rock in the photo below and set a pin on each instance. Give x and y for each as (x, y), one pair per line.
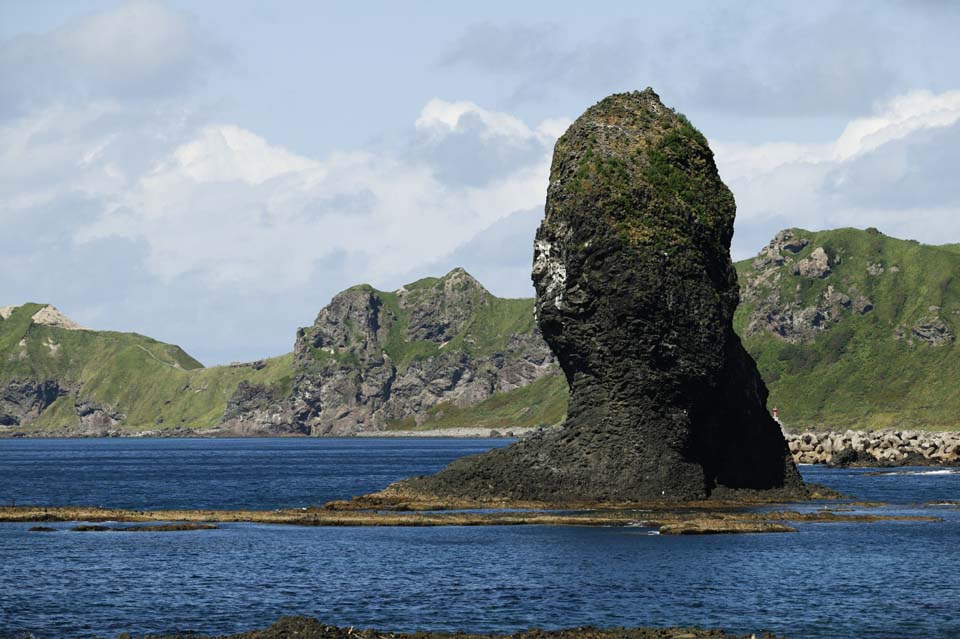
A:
(23, 400)
(635, 295)
(307, 628)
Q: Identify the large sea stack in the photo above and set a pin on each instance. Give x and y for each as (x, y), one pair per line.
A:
(635, 295)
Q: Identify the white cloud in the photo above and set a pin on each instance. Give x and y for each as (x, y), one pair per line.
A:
(882, 170)
(440, 117)
(138, 38)
(225, 153)
(230, 207)
(900, 117)
(119, 204)
(897, 119)
(139, 49)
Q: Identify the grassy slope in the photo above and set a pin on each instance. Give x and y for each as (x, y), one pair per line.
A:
(138, 376)
(856, 374)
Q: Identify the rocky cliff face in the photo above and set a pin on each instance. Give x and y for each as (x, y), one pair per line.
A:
(635, 295)
(373, 357)
(854, 329)
(784, 310)
(24, 400)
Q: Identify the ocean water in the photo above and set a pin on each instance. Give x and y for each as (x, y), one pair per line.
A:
(886, 579)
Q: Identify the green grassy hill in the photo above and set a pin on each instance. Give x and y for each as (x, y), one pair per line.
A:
(850, 329)
(152, 385)
(867, 343)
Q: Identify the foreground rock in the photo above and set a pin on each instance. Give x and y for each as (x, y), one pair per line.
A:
(710, 517)
(876, 448)
(306, 628)
(635, 295)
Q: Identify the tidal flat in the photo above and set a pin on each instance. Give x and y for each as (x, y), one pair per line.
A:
(667, 519)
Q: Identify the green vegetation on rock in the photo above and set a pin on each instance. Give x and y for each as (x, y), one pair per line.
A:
(850, 329)
(375, 359)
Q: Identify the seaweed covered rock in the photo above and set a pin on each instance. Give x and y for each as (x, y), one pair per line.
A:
(635, 295)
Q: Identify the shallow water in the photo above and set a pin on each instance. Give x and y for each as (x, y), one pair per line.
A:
(888, 579)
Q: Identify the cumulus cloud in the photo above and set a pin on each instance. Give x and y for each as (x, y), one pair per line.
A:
(139, 49)
(470, 146)
(233, 208)
(891, 169)
(816, 59)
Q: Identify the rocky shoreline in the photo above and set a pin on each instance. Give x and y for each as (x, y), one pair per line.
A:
(308, 628)
(883, 448)
(695, 518)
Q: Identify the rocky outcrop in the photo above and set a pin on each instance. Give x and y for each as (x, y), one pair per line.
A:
(51, 316)
(876, 448)
(931, 330)
(635, 295)
(94, 417)
(22, 401)
(774, 290)
(259, 409)
(816, 265)
(372, 358)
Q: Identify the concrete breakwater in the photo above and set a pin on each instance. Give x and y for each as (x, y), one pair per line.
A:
(875, 448)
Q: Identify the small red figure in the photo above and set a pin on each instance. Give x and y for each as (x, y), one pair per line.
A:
(776, 413)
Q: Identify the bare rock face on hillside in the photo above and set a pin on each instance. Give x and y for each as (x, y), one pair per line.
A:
(774, 290)
(635, 295)
(373, 358)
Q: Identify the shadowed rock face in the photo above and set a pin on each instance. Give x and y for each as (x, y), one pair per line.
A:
(635, 295)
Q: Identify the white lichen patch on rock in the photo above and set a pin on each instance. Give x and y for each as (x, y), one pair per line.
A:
(50, 316)
(52, 345)
(552, 268)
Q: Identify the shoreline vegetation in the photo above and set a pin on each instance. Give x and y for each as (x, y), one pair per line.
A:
(308, 628)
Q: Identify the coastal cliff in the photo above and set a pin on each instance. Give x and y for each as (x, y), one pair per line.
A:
(851, 329)
(373, 359)
(436, 351)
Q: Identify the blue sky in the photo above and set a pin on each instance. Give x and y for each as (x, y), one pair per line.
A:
(211, 173)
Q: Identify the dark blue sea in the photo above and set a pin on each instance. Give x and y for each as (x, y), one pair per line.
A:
(887, 579)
